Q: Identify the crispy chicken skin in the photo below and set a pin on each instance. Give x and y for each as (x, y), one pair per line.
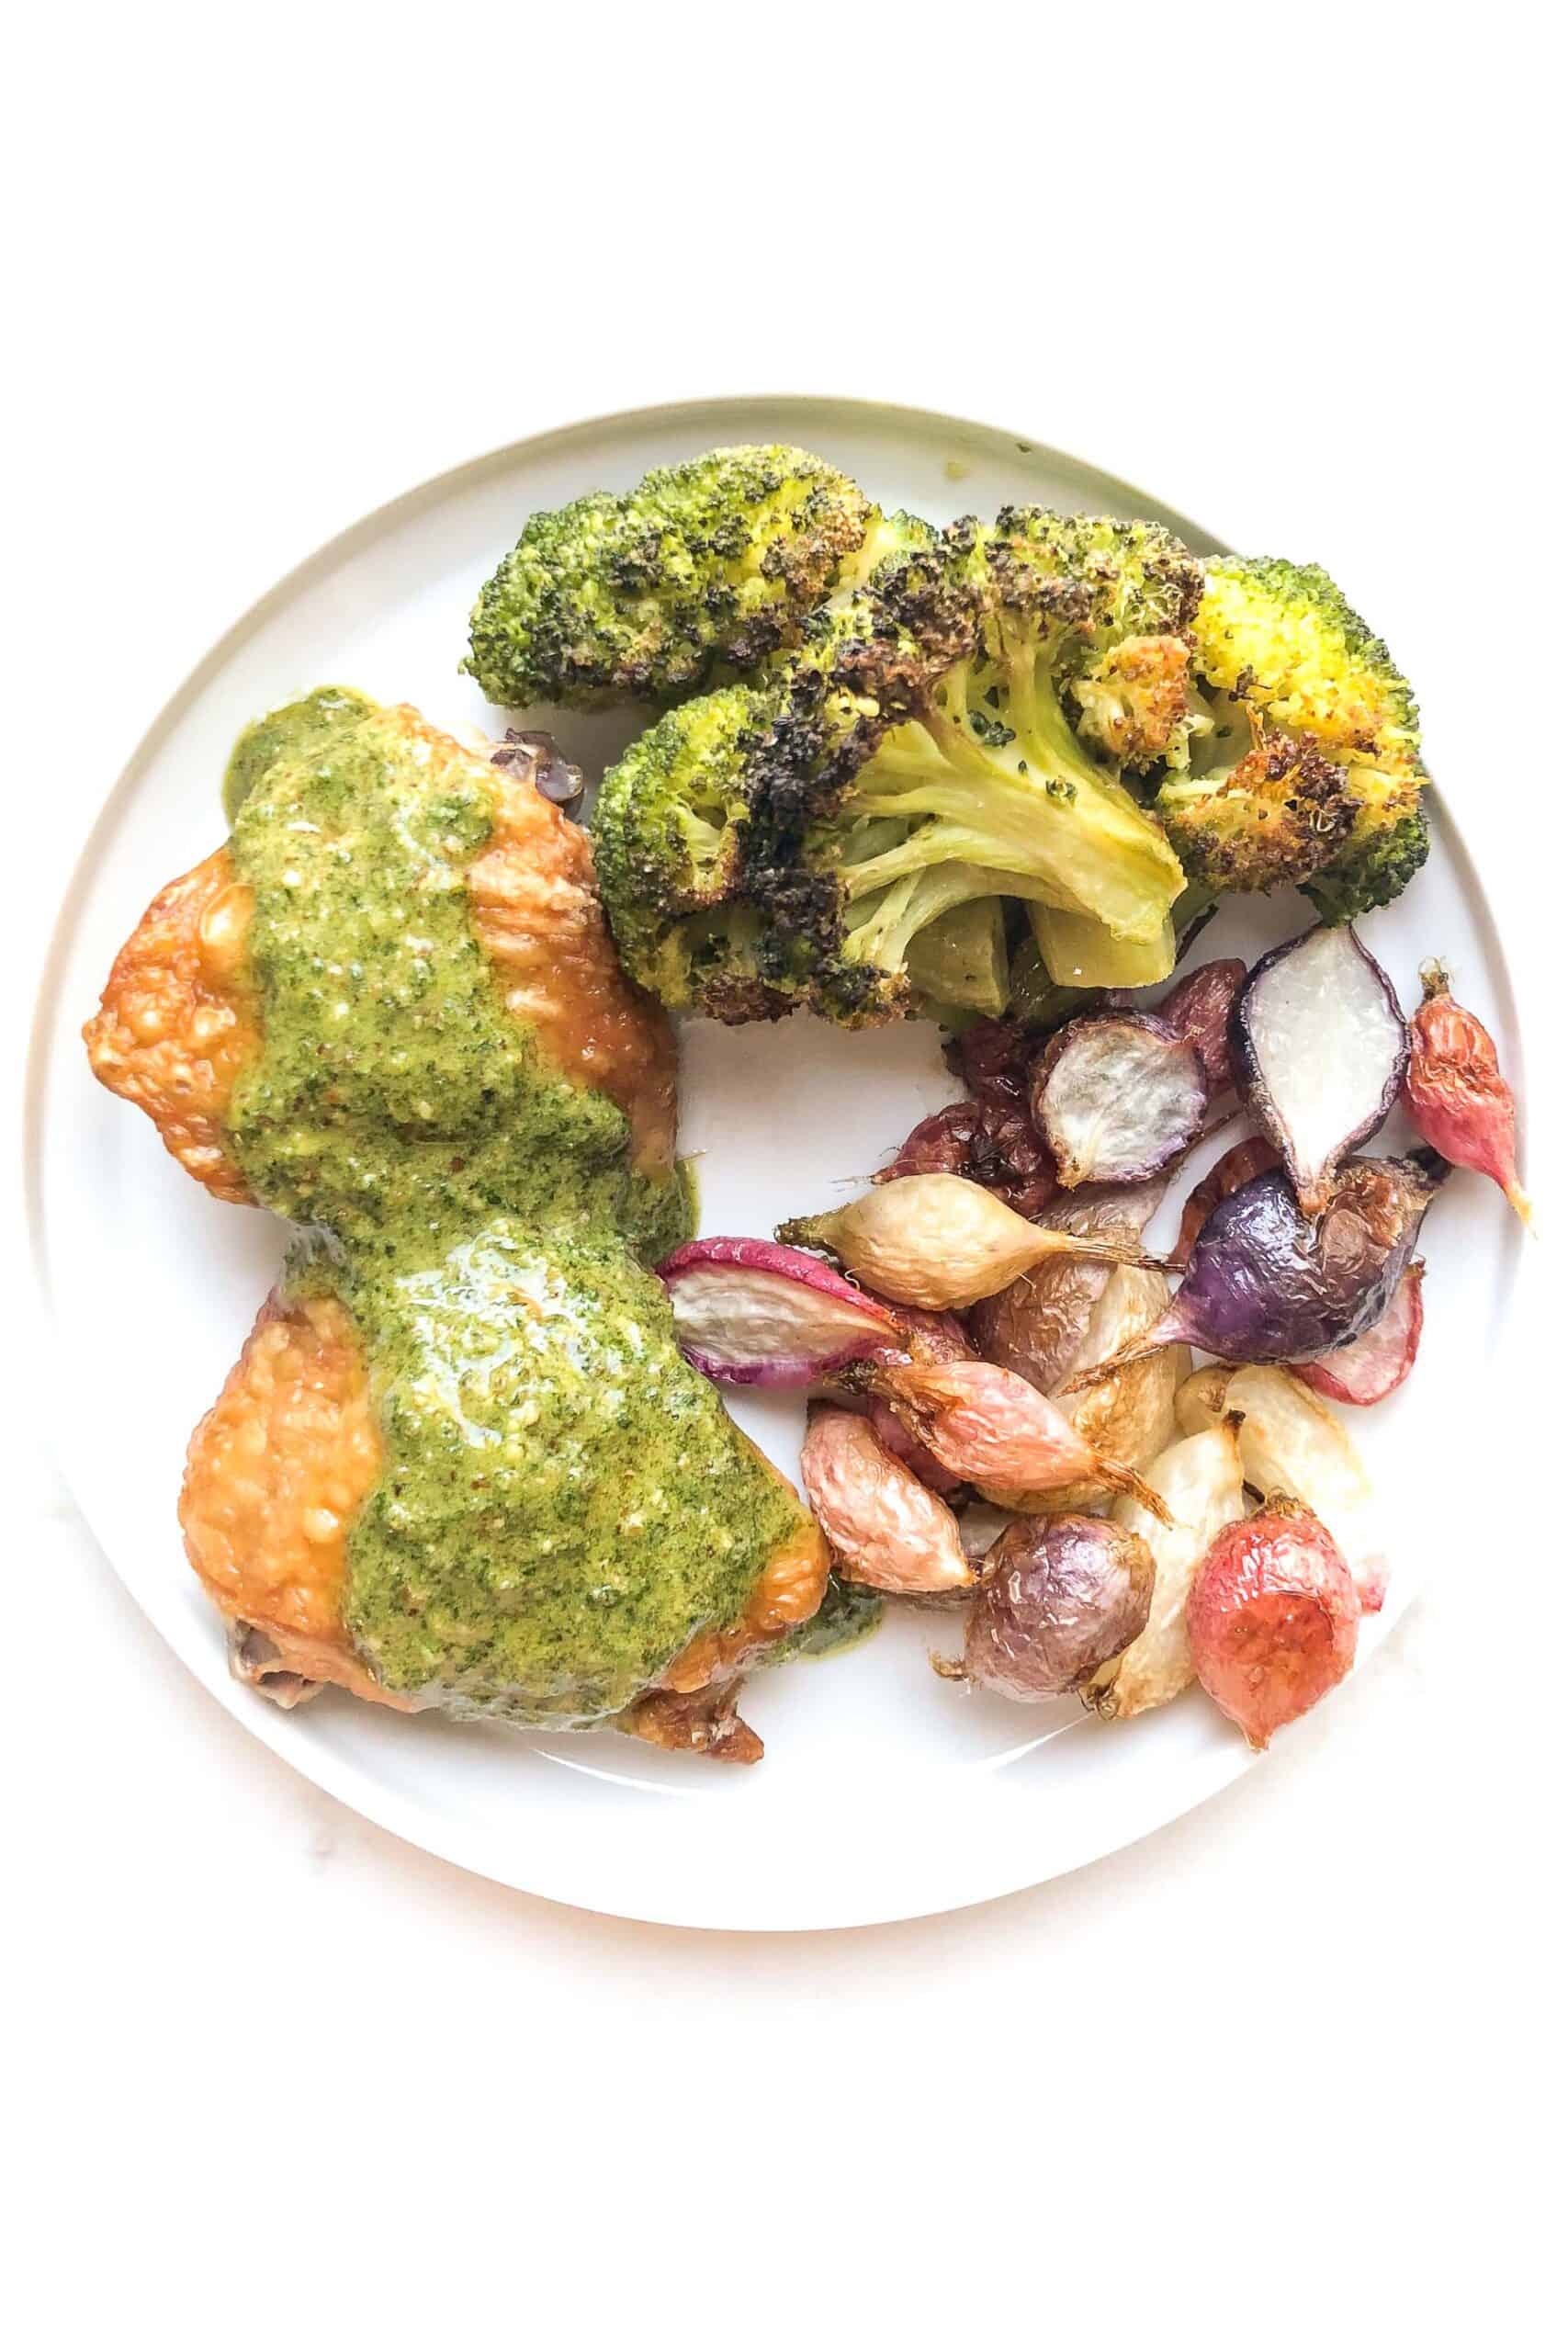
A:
(179, 1020)
(324, 1447)
(273, 1478)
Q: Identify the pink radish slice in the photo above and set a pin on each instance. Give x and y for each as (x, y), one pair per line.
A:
(762, 1316)
(1371, 1367)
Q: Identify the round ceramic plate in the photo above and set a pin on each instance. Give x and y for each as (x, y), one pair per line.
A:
(885, 1792)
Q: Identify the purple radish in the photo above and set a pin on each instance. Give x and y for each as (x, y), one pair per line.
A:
(762, 1316)
(1320, 1049)
(1266, 1283)
(1117, 1096)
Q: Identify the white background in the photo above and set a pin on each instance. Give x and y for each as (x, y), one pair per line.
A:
(1290, 2066)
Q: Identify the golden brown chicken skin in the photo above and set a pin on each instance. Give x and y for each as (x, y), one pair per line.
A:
(180, 1020)
(461, 1462)
(276, 1476)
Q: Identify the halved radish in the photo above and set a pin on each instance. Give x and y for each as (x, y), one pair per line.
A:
(763, 1315)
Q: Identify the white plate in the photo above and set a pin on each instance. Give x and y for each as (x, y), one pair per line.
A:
(884, 1794)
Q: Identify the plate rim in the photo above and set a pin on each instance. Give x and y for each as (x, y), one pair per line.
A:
(406, 1817)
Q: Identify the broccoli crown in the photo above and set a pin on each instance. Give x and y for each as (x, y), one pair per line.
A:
(651, 592)
(1133, 702)
(1275, 817)
(919, 751)
(1387, 848)
(1283, 636)
(1326, 790)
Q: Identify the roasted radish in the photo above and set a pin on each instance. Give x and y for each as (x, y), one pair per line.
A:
(758, 1315)
(1372, 1367)
(1291, 1442)
(1036, 1326)
(940, 1241)
(993, 1429)
(1320, 1050)
(992, 1144)
(1200, 1480)
(885, 1529)
(1058, 1598)
(1117, 1096)
(1198, 1009)
(1457, 1099)
(1266, 1284)
(1234, 1168)
(1272, 1618)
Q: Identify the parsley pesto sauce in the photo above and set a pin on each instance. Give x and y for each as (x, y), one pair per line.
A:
(563, 1501)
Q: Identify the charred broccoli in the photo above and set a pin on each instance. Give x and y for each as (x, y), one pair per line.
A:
(926, 745)
(653, 592)
(1300, 761)
(1277, 816)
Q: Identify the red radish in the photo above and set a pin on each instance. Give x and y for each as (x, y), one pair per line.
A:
(927, 1339)
(885, 1529)
(1272, 1617)
(760, 1316)
(1457, 1096)
(1371, 1367)
(1234, 1168)
(930, 1337)
(1198, 1009)
(891, 1433)
(991, 1427)
(992, 1143)
(992, 1059)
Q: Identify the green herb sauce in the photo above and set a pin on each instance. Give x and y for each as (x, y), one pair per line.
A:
(395, 1094)
(563, 1501)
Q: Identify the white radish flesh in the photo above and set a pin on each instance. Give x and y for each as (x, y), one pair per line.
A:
(1321, 1048)
(1292, 1443)
(1200, 1481)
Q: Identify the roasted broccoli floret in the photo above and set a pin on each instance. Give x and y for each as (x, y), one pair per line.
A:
(651, 594)
(1135, 699)
(1278, 816)
(1302, 759)
(920, 749)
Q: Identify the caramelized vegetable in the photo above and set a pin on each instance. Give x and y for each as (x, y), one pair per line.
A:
(1037, 1325)
(757, 1314)
(1268, 1285)
(1117, 1096)
(1320, 1049)
(1234, 1168)
(941, 1241)
(1131, 1416)
(1058, 1598)
(992, 1144)
(1294, 1443)
(1372, 1367)
(1200, 1481)
(1457, 1099)
(1272, 1618)
(993, 1429)
(1199, 1010)
(885, 1529)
